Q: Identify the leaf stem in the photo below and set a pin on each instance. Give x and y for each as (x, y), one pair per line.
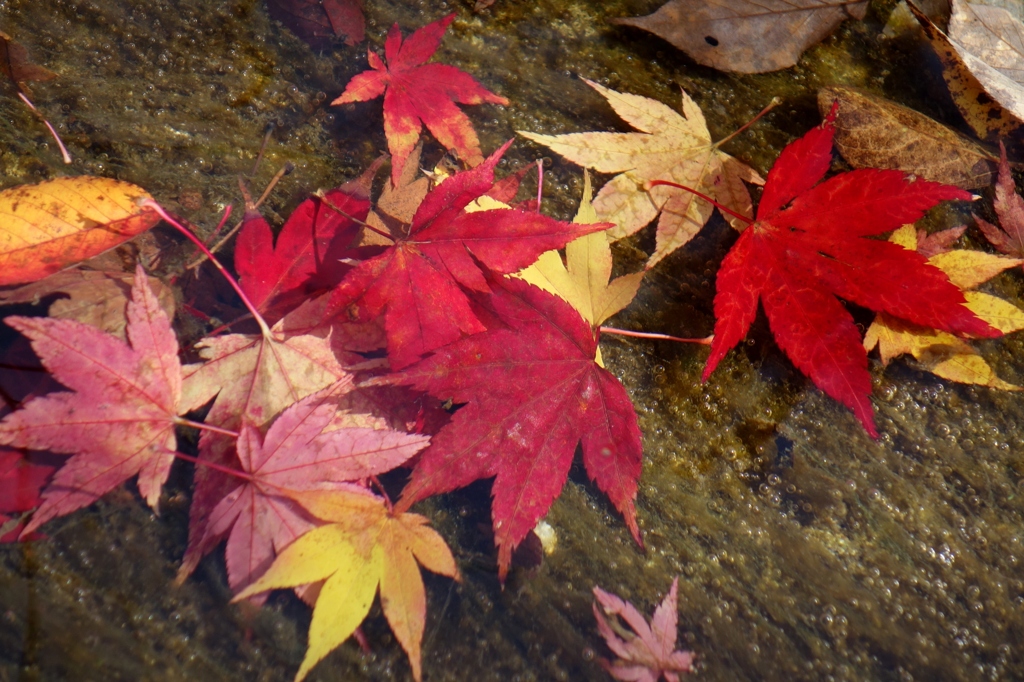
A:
(540, 182)
(150, 203)
(337, 209)
(384, 493)
(705, 197)
(60, 144)
(283, 171)
(181, 421)
(212, 465)
(706, 341)
(771, 105)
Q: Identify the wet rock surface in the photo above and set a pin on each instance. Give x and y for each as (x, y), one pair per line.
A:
(805, 549)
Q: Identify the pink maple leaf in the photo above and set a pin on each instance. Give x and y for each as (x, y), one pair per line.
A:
(301, 451)
(648, 652)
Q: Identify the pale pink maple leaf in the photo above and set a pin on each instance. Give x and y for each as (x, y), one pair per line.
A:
(648, 652)
(119, 417)
(301, 451)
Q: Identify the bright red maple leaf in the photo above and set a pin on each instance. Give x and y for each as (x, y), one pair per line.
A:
(310, 248)
(20, 483)
(533, 391)
(418, 94)
(118, 419)
(297, 454)
(416, 282)
(807, 247)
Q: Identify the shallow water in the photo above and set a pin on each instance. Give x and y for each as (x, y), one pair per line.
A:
(805, 550)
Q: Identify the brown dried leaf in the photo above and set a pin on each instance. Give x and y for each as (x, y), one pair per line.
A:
(397, 205)
(16, 65)
(748, 36)
(98, 299)
(991, 42)
(872, 132)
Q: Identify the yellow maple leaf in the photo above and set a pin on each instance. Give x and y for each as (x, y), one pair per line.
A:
(361, 547)
(669, 147)
(584, 279)
(940, 353)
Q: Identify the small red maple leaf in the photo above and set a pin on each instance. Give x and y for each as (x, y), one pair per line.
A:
(807, 247)
(118, 419)
(418, 94)
(648, 652)
(416, 282)
(298, 453)
(310, 249)
(533, 391)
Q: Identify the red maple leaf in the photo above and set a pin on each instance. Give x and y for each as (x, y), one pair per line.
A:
(533, 391)
(118, 419)
(20, 483)
(807, 247)
(308, 256)
(298, 453)
(416, 282)
(418, 94)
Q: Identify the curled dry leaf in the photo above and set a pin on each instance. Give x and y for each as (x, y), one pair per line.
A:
(397, 204)
(983, 65)
(938, 352)
(47, 227)
(991, 42)
(669, 147)
(748, 36)
(361, 547)
(872, 132)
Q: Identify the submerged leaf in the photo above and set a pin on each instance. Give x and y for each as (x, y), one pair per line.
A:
(648, 652)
